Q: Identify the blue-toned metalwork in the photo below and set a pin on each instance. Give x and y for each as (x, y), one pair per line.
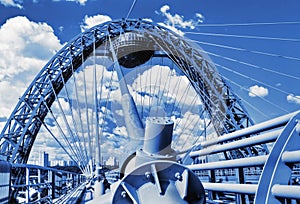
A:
(279, 166)
(131, 44)
(277, 172)
(20, 131)
(159, 182)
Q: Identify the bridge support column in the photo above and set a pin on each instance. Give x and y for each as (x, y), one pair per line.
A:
(156, 178)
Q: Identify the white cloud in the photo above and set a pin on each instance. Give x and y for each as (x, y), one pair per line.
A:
(18, 3)
(148, 19)
(164, 8)
(13, 3)
(291, 98)
(90, 21)
(258, 91)
(172, 28)
(81, 2)
(177, 21)
(25, 48)
(169, 91)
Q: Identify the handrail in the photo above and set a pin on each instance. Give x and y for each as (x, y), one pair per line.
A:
(44, 183)
(263, 138)
(231, 188)
(260, 127)
(286, 191)
(273, 180)
(236, 163)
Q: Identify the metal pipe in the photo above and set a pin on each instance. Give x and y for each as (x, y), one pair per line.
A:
(228, 164)
(263, 138)
(267, 125)
(132, 119)
(286, 191)
(232, 188)
(291, 156)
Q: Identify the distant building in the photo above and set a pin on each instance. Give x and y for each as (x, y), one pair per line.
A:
(44, 159)
(71, 163)
(62, 163)
(111, 162)
(58, 163)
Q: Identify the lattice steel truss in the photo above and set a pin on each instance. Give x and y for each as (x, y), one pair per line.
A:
(226, 112)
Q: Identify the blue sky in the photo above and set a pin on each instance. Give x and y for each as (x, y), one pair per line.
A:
(67, 17)
(32, 31)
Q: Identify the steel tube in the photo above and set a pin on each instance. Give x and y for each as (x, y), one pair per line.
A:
(291, 156)
(232, 188)
(276, 122)
(286, 191)
(158, 135)
(244, 162)
(263, 138)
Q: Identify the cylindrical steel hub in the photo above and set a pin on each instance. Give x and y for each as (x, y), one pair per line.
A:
(158, 135)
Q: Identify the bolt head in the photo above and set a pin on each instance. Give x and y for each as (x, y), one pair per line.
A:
(123, 194)
(148, 175)
(178, 176)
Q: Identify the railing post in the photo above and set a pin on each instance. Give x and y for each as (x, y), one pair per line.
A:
(73, 180)
(212, 179)
(39, 181)
(49, 182)
(5, 175)
(53, 184)
(78, 179)
(27, 174)
(240, 198)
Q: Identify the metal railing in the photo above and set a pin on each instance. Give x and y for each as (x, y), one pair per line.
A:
(270, 178)
(43, 184)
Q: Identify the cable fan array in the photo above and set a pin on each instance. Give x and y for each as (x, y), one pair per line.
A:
(86, 118)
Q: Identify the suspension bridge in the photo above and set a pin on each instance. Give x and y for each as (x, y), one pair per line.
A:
(155, 100)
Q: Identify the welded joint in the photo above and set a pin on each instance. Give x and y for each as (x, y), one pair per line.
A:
(156, 179)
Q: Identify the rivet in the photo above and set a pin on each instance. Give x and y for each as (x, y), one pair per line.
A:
(178, 176)
(148, 175)
(123, 194)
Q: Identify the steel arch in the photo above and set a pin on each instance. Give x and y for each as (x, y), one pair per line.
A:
(19, 133)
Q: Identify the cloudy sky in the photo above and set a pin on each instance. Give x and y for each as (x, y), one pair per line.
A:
(254, 44)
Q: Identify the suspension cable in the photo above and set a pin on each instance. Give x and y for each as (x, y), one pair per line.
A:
(245, 50)
(253, 65)
(247, 77)
(78, 106)
(249, 24)
(244, 36)
(245, 101)
(131, 8)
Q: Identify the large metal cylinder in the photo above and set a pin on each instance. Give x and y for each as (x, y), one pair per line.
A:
(158, 135)
(157, 141)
